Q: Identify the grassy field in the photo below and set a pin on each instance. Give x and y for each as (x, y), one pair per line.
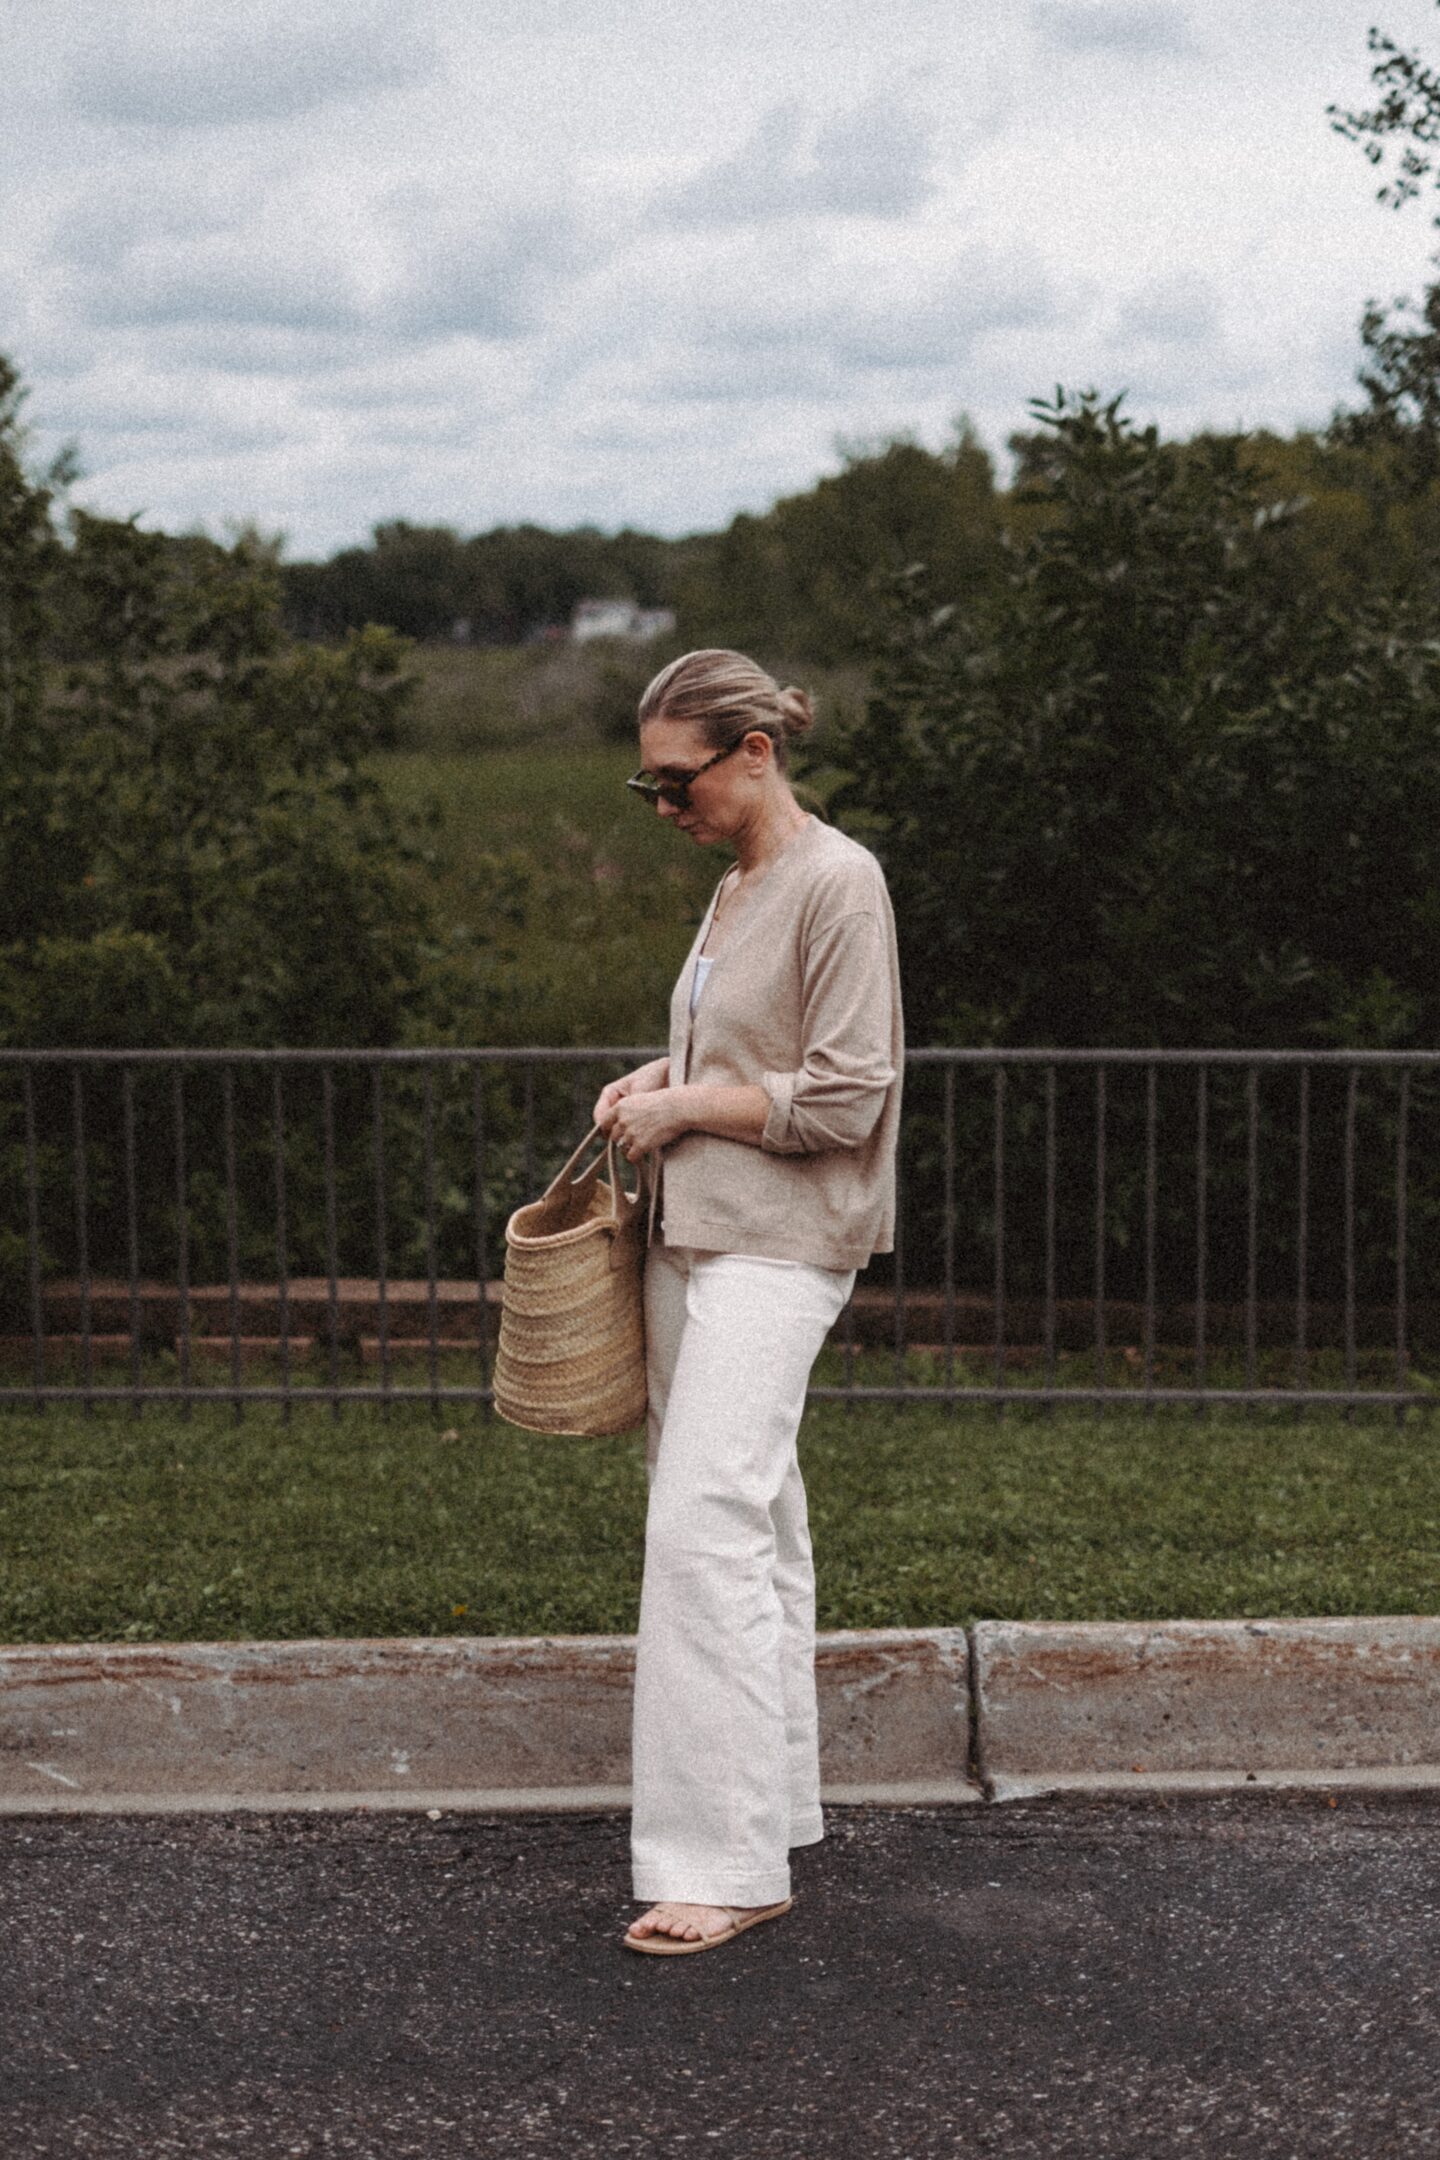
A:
(166, 1528)
(582, 901)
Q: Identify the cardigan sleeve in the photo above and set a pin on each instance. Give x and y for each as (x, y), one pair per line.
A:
(835, 1098)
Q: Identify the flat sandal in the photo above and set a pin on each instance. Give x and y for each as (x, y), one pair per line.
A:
(669, 1946)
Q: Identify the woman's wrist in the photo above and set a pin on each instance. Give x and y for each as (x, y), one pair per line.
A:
(733, 1113)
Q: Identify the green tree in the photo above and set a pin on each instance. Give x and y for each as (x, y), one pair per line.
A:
(888, 506)
(734, 591)
(1155, 786)
(1396, 434)
(31, 873)
(1397, 429)
(218, 863)
(1405, 119)
(504, 585)
(1149, 787)
(195, 852)
(807, 579)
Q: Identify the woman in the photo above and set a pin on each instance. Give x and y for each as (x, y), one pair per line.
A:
(776, 1111)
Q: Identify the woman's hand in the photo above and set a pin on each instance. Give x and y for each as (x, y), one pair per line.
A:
(643, 1081)
(646, 1120)
(643, 1112)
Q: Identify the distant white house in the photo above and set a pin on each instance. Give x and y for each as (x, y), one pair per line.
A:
(620, 619)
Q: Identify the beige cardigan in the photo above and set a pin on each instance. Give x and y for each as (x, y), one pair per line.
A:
(803, 1000)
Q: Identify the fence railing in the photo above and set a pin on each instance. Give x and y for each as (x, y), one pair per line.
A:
(1195, 1226)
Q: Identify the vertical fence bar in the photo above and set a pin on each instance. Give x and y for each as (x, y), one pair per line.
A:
(482, 1253)
(1402, 1158)
(1202, 1221)
(1050, 1191)
(382, 1238)
(1351, 1094)
(332, 1307)
(82, 1233)
(431, 1299)
(1150, 1079)
(1100, 1226)
(232, 1239)
(1302, 1239)
(32, 1242)
(282, 1241)
(132, 1234)
(848, 1350)
(1252, 1214)
(529, 1128)
(902, 1187)
(999, 1131)
(949, 1173)
(182, 1254)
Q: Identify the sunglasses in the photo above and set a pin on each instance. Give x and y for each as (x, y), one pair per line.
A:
(672, 785)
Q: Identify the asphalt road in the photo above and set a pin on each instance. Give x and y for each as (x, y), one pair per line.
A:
(1234, 1976)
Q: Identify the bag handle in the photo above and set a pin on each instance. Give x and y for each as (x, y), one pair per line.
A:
(617, 1192)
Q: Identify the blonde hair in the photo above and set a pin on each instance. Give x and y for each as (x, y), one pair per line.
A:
(726, 695)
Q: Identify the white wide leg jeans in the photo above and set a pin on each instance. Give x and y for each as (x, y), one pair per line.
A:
(726, 1772)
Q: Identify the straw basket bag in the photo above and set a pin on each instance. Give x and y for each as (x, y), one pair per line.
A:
(571, 1357)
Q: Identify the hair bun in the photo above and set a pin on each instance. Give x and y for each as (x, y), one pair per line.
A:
(797, 714)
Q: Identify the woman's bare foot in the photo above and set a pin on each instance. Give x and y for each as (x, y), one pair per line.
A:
(689, 1923)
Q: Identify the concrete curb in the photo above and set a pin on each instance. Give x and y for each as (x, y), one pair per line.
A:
(1186, 1703)
(908, 1716)
(483, 1722)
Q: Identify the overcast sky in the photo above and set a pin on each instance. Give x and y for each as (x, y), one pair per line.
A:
(314, 263)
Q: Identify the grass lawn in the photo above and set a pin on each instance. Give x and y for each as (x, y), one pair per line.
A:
(163, 1528)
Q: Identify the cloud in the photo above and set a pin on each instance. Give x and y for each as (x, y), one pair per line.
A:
(189, 67)
(603, 272)
(128, 415)
(103, 222)
(281, 351)
(891, 322)
(774, 318)
(1136, 26)
(311, 277)
(873, 161)
(758, 375)
(1176, 310)
(226, 278)
(873, 310)
(477, 268)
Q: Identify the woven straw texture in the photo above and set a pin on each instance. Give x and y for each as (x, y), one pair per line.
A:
(571, 1356)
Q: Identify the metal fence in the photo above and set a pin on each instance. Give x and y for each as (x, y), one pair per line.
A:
(1137, 1226)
